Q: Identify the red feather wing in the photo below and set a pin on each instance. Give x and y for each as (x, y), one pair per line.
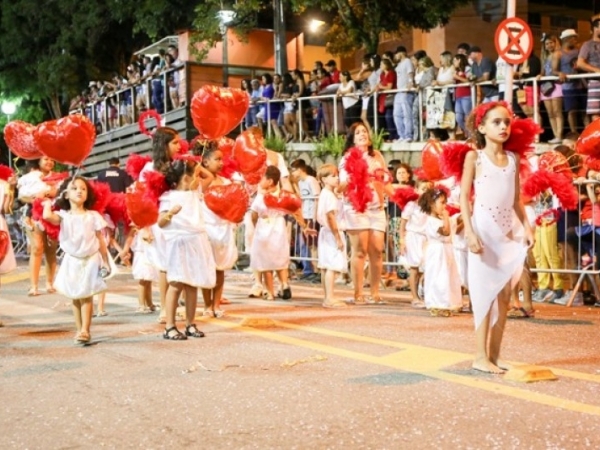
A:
(135, 163)
(522, 136)
(452, 159)
(403, 195)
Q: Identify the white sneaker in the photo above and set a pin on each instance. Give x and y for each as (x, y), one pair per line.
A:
(543, 295)
(577, 301)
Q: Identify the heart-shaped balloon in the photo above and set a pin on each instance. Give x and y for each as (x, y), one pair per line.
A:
(218, 110)
(20, 140)
(4, 243)
(554, 161)
(228, 201)
(68, 140)
(430, 160)
(142, 209)
(286, 202)
(249, 151)
(255, 177)
(589, 140)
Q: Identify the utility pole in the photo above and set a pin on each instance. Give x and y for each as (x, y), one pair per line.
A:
(279, 37)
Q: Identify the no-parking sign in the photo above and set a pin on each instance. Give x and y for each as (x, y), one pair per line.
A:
(514, 40)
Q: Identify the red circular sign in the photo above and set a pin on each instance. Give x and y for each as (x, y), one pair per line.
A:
(514, 40)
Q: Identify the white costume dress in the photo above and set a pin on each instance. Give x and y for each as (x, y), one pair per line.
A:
(461, 250)
(221, 235)
(415, 234)
(329, 257)
(189, 257)
(9, 263)
(442, 283)
(31, 185)
(156, 251)
(79, 274)
(141, 268)
(374, 216)
(270, 248)
(496, 223)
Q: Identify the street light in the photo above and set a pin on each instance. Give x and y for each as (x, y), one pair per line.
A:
(315, 24)
(9, 108)
(225, 17)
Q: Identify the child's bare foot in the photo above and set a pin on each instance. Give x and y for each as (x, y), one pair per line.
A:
(503, 365)
(483, 365)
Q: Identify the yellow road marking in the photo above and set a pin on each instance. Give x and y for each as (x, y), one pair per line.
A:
(7, 279)
(414, 359)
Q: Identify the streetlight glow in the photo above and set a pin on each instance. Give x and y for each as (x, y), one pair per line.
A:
(226, 16)
(9, 108)
(315, 24)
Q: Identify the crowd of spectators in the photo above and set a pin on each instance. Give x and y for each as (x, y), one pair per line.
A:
(113, 103)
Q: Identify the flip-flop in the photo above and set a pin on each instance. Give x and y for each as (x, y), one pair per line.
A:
(520, 313)
(33, 292)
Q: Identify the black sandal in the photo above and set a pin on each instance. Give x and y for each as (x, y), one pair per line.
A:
(174, 334)
(193, 331)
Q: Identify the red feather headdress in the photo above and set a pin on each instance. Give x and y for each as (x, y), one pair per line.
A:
(403, 195)
(5, 172)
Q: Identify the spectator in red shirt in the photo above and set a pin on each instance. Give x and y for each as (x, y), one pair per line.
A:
(334, 72)
(387, 81)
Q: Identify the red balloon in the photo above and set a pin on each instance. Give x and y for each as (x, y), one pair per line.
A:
(589, 140)
(249, 151)
(226, 146)
(287, 202)
(229, 201)
(142, 209)
(254, 178)
(430, 160)
(554, 161)
(68, 140)
(218, 110)
(4, 243)
(20, 140)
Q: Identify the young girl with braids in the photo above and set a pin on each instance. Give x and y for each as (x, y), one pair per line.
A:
(221, 234)
(442, 282)
(85, 259)
(496, 227)
(189, 260)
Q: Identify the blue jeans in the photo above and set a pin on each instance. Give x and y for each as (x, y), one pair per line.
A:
(302, 246)
(390, 127)
(403, 103)
(158, 96)
(462, 108)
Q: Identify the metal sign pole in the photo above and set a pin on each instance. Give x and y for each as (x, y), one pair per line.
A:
(511, 11)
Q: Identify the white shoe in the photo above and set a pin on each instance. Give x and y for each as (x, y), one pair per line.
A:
(555, 141)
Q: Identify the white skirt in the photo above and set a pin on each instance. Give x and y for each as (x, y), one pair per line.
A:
(371, 219)
(9, 263)
(270, 246)
(79, 278)
(156, 251)
(415, 248)
(141, 269)
(222, 241)
(190, 261)
(330, 258)
(462, 256)
(442, 283)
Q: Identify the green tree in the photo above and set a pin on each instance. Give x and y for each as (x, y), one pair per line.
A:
(50, 51)
(354, 24)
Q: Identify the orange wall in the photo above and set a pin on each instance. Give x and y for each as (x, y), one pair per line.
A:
(259, 51)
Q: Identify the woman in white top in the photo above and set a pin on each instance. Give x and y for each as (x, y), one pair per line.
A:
(31, 186)
(439, 101)
(350, 99)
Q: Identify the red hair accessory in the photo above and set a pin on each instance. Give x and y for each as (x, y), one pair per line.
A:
(135, 164)
(483, 109)
(5, 172)
(187, 157)
(142, 121)
(403, 195)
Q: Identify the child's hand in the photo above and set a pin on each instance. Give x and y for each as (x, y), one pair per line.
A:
(474, 243)
(340, 243)
(308, 232)
(147, 235)
(529, 237)
(402, 247)
(175, 209)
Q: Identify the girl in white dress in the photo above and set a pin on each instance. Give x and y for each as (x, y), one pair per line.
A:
(331, 248)
(412, 242)
(142, 269)
(442, 283)
(165, 145)
(85, 259)
(221, 235)
(270, 250)
(189, 259)
(9, 263)
(496, 228)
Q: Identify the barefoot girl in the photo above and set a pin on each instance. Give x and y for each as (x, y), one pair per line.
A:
(79, 276)
(496, 228)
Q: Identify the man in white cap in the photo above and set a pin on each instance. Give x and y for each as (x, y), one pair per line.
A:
(589, 61)
(574, 94)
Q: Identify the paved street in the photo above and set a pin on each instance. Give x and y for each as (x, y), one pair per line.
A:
(289, 375)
